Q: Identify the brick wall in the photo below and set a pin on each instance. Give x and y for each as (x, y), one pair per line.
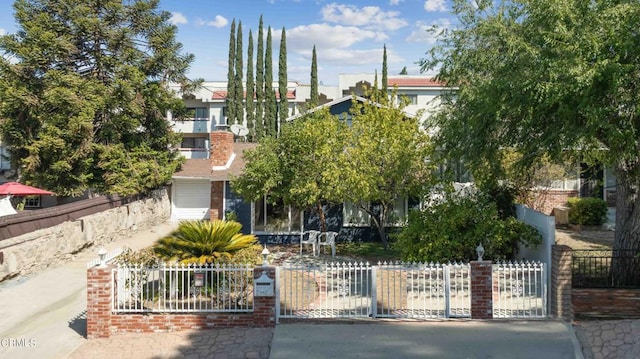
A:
(221, 147)
(560, 292)
(546, 200)
(102, 323)
(606, 303)
(481, 290)
(217, 200)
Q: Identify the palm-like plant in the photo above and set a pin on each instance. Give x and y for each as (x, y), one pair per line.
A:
(202, 242)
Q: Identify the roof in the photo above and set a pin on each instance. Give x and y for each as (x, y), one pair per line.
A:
(201, 168)
(222, 95)
(409, 81)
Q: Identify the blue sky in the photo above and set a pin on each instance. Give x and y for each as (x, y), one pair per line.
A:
(349, 35)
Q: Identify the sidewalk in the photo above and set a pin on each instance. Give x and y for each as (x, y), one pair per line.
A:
(43, 315)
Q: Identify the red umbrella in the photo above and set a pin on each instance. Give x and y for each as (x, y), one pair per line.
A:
(19, 189)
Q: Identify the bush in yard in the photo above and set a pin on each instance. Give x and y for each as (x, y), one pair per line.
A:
(587, 211)
(203, 242)
(452, 229)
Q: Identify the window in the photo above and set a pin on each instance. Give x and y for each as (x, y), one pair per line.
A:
(194, 142)
(32, 202)
(276, 217)
(398, 215)
(353, 215)
(408, 99)
(198, 113)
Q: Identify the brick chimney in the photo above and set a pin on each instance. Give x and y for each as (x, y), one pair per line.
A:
(221, 148)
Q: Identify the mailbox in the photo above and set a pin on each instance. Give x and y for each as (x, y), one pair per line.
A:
(263, 286)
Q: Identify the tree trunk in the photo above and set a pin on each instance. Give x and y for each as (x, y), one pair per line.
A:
(323, 219)
(625, 265)
(379, 222)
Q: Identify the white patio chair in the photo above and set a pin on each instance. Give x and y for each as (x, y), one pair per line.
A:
(328, 239)
(311, 238)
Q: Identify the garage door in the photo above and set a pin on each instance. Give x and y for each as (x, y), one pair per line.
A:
(191, 200)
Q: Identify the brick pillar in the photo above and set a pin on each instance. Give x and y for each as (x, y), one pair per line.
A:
(560, 305)
(217, 200)
(221, 143)
(481, 290)
(99, 302)
(264, 308)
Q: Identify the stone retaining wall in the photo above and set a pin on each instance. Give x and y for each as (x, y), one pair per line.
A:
(35, 251)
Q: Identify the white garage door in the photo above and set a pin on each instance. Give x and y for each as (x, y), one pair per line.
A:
(191, 199)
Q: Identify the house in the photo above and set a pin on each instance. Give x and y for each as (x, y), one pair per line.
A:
(201, 189)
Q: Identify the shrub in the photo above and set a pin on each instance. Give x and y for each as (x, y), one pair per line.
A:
(587, 211)
(452, 229)
(202, 242)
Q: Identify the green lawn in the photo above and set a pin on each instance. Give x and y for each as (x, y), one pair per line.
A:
(371, 252)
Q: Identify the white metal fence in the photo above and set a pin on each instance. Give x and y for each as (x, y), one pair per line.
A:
(520, 290)
(183, 288)
(353, 290)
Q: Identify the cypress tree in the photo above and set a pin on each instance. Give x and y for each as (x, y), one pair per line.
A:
(231, 76)
(249, 104)
(260, 84)
(314, 79)
(239, 89)
(283, 112)
(270, 95)
(384, 75)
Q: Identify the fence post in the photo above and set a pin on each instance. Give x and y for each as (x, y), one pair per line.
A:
(264, 307)
(99, 298)
(481, 290)
(561, 282)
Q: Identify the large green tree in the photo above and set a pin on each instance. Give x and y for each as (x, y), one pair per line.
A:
(238, 95)
(83, 89)
(260, 83)
(317, 159)
(283, 109)
(547, 78)
(250, 106)
(385, 160)
(315, 97)
(231, 76)
(270, 104)
(300, 166)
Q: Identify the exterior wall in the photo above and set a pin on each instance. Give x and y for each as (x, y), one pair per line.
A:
(217, 200)
(606, 303)
(481, 290)
(34, 251)
(102, 323)
(546, 200)
(560, 286)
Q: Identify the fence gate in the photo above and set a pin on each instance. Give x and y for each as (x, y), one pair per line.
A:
(357, 290)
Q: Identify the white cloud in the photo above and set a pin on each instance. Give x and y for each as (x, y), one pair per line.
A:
(367, 16)
(435, 5)
(422, 33)
(219, 21)
(3, 32)
(177, 18)
(329, 36)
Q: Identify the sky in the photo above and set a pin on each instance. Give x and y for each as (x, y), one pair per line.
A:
(349, 35)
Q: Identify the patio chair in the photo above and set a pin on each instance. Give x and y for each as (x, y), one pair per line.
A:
(328, 239)
(311, 238)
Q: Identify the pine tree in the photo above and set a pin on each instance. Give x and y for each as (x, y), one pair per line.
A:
(231, 75)
(384, 96)
(85, 95)
(404, 71)
(283, 112)
(314, 79)
(271, 127)
(260, 124)
(249, 104)
(239, 90)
